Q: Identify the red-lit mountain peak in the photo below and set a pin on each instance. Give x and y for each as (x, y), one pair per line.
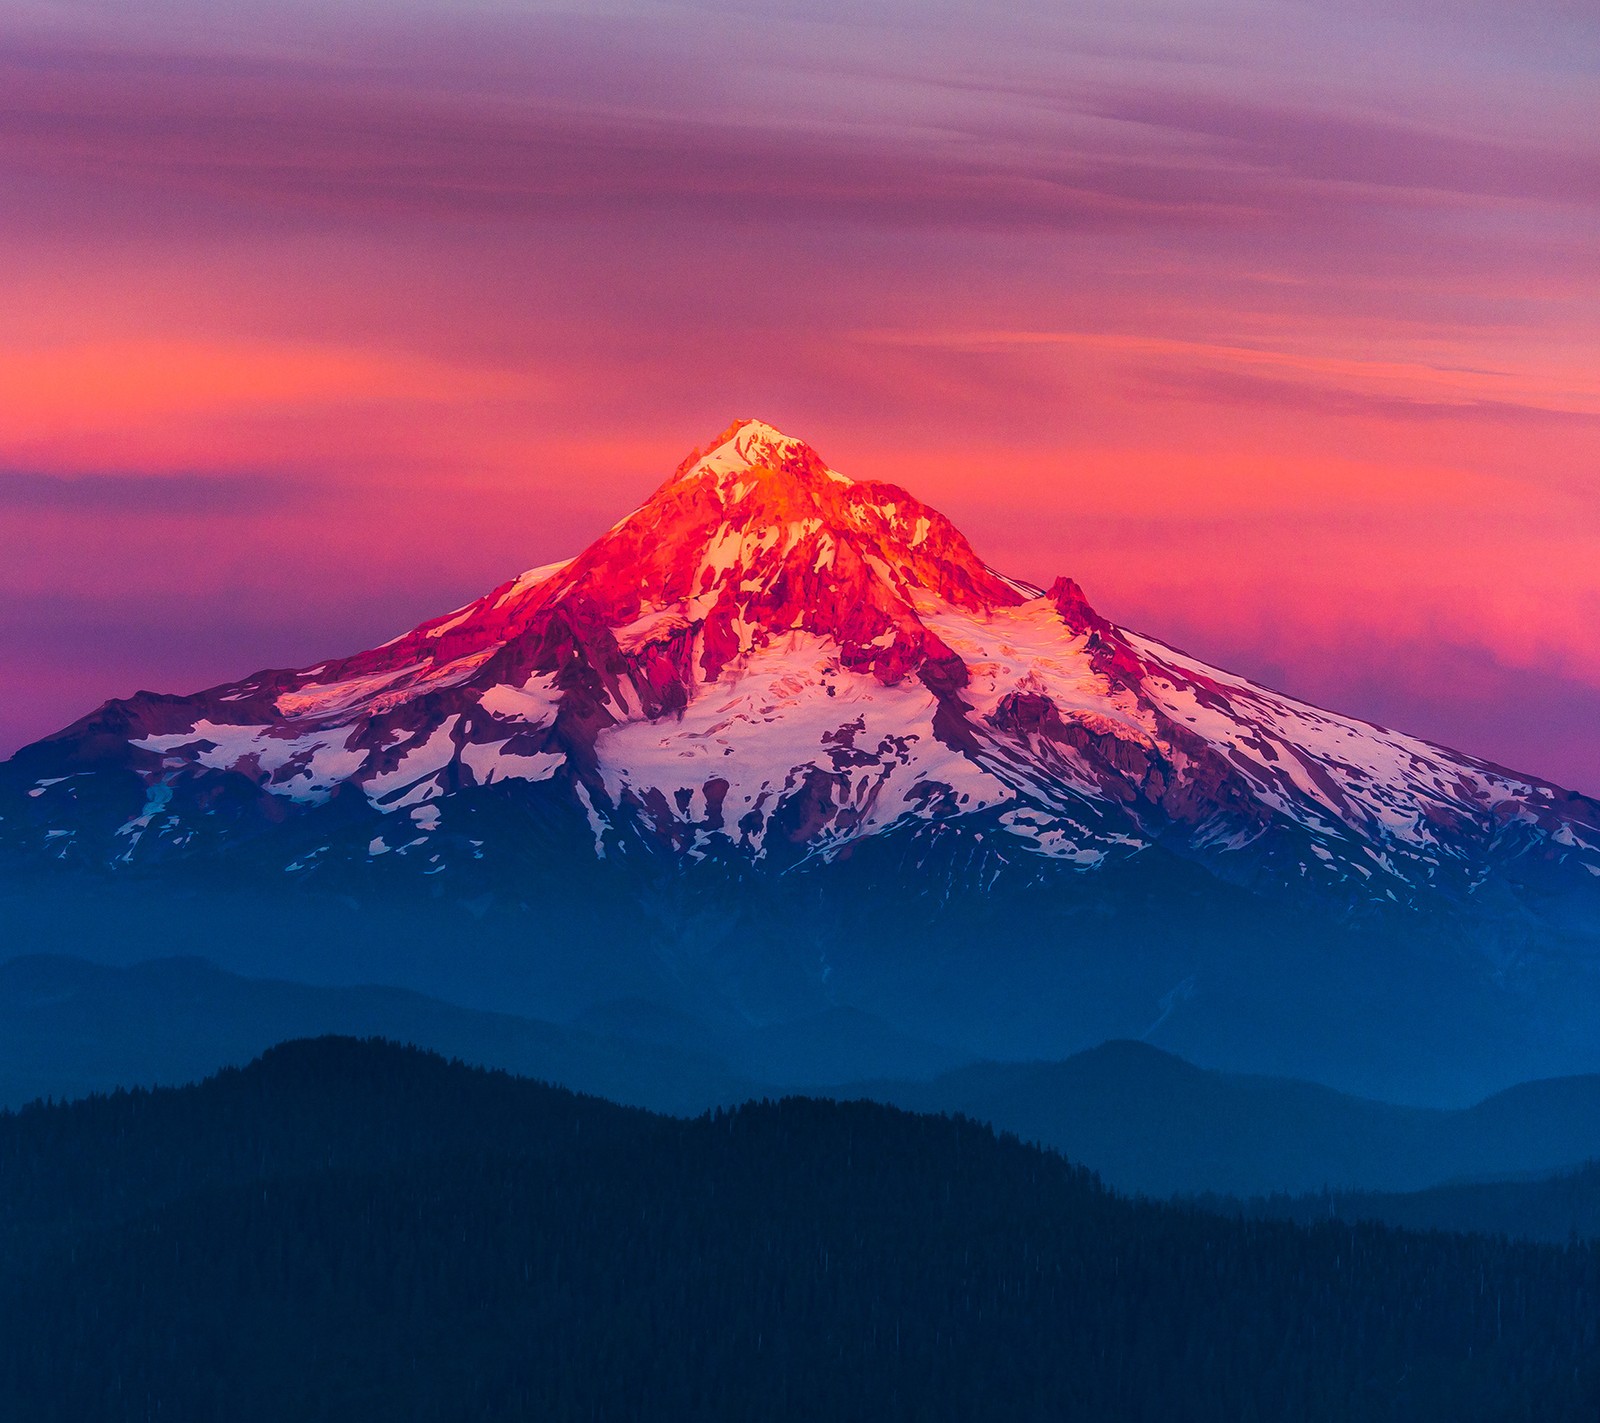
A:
(751, 444)
(758, 537)
(749, 540)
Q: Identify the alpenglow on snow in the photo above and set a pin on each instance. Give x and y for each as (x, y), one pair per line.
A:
(769, 664)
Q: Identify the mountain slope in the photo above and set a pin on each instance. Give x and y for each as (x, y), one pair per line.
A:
(1143, 1119)
(769, 664)
(348, 1231)
(1148, 1121)
(68, 1028)
(1556, 1209)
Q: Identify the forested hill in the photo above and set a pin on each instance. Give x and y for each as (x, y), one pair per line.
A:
(354, 1231)
(1558, 1208)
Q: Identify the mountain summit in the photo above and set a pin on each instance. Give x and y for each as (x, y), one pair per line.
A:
(754, 539)
(769, 663)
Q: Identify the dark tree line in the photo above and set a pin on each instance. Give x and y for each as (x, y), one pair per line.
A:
(1558, 1208)
(352, 1231)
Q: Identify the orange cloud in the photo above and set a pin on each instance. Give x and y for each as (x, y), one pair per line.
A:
(118, 383)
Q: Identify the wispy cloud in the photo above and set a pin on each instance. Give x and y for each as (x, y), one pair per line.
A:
(156, 495)
(1321, 145)
(1261, 374)
(1239, 388)
(293, 135)
(1019, 121)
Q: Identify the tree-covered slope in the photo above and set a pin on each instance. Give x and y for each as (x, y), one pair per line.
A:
(355, 1231)
(1556, 1208)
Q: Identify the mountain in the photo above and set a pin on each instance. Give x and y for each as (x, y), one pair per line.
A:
(69, 1028)
(1147, 1121)
(780, 745)
(355, 1231)
(1142, 1119)
(771, 662)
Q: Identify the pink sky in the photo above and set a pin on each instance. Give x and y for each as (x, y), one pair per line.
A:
(1275, 325)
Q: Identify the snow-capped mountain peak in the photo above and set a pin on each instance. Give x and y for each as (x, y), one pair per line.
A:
(753, 444)
(760, 538)
(770, 663)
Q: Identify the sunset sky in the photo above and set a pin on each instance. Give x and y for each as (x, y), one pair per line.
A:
(1275, 325)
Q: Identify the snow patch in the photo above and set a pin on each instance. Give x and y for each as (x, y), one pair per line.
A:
(491, 762)
(304, 767)
(419, 763)
(535, 702)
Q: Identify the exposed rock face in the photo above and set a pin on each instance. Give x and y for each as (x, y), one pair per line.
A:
(770, 662)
